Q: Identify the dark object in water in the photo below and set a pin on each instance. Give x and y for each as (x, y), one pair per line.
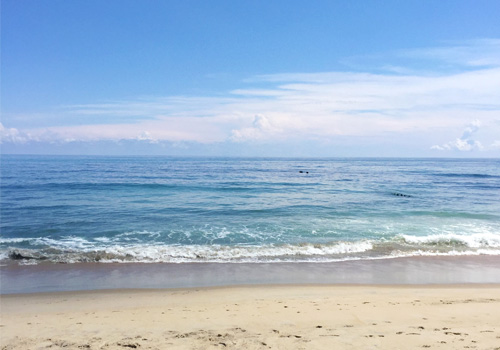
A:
(18, 255)
(302, 172)
(401, 195)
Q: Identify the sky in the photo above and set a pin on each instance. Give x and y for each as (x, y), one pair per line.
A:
(274, 78)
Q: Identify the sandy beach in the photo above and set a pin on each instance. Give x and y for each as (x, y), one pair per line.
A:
(257, 317)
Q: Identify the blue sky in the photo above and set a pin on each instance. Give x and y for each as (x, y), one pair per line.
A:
(251, 78)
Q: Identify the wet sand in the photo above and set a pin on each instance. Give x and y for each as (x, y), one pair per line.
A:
(49, 277)
(256, 317)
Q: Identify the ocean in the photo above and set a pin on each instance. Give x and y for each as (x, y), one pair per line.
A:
(90, 209)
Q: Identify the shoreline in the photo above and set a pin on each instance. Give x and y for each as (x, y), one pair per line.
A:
(228, 288)
(256, 317)
(454, 270)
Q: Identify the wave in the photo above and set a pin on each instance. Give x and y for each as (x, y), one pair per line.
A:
(483, 240)
(467, 175)
(161, 185)
(194, 253)
(455, 214)
(75, 250)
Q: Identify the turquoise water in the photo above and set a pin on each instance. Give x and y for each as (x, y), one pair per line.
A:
(161, 209)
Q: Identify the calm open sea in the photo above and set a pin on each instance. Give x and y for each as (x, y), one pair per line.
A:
(161, 209)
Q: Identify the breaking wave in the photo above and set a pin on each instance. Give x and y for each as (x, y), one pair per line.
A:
(77, 250)
(484, 240)
(193, 253)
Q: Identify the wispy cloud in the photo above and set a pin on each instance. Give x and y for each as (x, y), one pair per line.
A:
(309, 106)
(450, 57)
(474, 53)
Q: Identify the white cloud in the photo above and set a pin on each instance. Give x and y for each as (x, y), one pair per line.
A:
(146, 136)
(459, 145)
(261, 128)
(464, 143)
(471, 129)
(309, 106)
(12, 135)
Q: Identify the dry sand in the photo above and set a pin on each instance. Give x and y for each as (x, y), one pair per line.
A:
(257, 317)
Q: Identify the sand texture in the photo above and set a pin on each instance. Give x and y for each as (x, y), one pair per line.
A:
(256, 317)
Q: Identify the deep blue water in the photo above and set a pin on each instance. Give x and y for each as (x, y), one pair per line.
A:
(145, 209)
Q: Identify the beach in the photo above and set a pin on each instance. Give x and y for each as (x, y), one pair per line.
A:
(257, 317)
(199, 253)
(404, 303)
(249, 175)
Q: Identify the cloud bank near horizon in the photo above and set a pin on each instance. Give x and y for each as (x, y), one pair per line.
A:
(396, 103)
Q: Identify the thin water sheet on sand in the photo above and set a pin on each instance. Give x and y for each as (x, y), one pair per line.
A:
(89, 276)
